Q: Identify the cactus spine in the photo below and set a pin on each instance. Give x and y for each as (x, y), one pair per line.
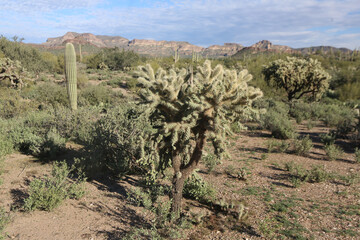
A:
(70, 74)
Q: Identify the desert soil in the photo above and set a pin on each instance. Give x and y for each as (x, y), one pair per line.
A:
(326, 210)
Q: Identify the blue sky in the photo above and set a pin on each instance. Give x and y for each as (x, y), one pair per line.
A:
(202, 22)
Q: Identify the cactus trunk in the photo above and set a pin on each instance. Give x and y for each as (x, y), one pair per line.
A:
(70, 74)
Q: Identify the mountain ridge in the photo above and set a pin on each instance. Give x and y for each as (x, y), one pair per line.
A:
(167, 48)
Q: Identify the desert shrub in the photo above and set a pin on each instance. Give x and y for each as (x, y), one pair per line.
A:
(357, 155)
(76, 126)
(333, 152)
(116, 141)
(52, 145)
(300, 111)
(131, 83)
(82, 80)
(49, 192)
(115, 82)
(328, 138)
(6, 145)
(279, 124)
(30, 57)
(210, 160)
(299, 175)
(113, 59)
(12, 104)
(96, 95)
(4, 220)
(139, 197)
(341, 117)
(317, 174)
(303, 146)
(47, 94)
(276, 146)
(196, 188)
(271, 104)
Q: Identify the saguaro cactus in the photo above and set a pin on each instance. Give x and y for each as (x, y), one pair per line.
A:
(70, 74)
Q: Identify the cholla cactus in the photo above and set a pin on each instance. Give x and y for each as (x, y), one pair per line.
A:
(191, 108)
(298, 77)
(12, 71)
(71, 74)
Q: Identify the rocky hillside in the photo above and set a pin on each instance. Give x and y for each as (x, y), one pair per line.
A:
(167, 48)
(142, 46)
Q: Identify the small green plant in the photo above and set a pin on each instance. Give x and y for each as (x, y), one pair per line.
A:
(278, 124)
(196, 188)
(277, 146)
(49, 192)
(328, 138)
(299, 175)
(317, 174)
(140, 198)
(333, 152)
(303, 146)
(211, 161)
(241, 173)
(357, 155)
(310, 124)
(4, 220)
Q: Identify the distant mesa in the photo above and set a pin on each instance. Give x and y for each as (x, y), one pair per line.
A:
(167, 48)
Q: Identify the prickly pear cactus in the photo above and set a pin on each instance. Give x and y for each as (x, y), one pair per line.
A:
(71, 74)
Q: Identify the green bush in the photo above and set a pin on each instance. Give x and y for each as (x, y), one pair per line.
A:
(196, 188)
(333, 152)
(49, 192)
(300, 111)
(328, 138)
(12, 105)
(210, 160)
(4, 220)
(357, 155)
(52, 145)
(277, 146)
(279, 124)
(115, 144)
(299, 175)
(82, 80)
(303, 146)
(97, 95)
(47, 94)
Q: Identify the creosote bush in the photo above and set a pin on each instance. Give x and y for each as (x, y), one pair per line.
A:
(115, 144)
(49, 192)
(303, 145)
(278, 124)
(333, 152)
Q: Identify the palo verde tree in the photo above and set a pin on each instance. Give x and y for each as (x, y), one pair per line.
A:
(188, 109)
(298, 77)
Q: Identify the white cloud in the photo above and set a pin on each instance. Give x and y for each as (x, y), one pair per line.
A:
(204, 22)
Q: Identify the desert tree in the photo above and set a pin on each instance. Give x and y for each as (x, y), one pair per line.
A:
(298, 77)
(189, 108)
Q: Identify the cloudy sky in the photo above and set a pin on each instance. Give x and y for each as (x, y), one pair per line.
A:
(202, 22)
